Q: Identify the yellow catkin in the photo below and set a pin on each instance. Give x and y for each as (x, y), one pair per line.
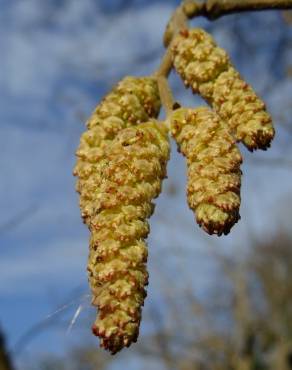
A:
(132, 101)
(206, 68)
(130, 177)
(213, 164)
(121, 161)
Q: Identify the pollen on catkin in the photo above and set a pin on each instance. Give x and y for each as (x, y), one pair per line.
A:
(129, 178)
(121, 161)
(213, 166)
(207, 69)
(132, 101)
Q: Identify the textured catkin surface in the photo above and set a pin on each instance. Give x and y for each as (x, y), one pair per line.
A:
(130, 178)
(132, 101)
(121, 162)
(206, 68)
(213, 165)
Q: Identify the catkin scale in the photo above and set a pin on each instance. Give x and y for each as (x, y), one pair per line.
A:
(121, 161)
(207, 69)
(213, 165)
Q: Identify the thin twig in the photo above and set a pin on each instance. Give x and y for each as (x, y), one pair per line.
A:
(177, 22)
(165, 94)
(213, 9)
(165, 65)
(161, 74)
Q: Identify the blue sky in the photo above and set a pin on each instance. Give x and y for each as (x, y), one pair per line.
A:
(58, 58)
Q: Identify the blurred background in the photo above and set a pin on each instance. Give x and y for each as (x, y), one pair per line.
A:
(213, 303)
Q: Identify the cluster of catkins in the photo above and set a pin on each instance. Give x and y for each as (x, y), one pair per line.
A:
(121, 162)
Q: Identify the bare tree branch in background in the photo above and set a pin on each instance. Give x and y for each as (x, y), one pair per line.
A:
(18, 219)
(257, 298)
(5, 361)
(287, 15)
(277, 162)
(55, 319)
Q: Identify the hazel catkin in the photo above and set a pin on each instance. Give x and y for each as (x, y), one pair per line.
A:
(213, 166)
(121, 161)
(130, 178)
(207, 69)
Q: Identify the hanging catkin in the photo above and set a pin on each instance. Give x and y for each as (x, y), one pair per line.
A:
(130, 177)
(120, 167)
(132, 101)
(213, 163)
(206, 68)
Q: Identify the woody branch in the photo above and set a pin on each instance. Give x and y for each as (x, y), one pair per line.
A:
(213, 9)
